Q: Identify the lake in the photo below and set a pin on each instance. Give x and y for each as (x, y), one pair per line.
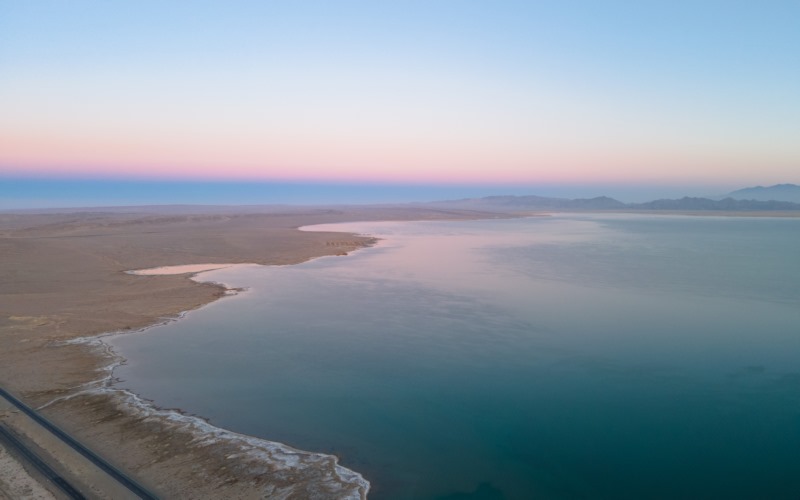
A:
(569, 356)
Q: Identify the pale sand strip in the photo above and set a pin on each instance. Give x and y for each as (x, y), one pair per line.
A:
(183, 269)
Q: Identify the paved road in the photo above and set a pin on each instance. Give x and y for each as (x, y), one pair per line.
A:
(87, 475)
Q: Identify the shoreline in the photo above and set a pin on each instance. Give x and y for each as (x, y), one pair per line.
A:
(65, 287)
(257, 457)
(250, 448)
(279, 454)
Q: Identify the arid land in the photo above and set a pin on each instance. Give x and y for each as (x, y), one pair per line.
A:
(63, 278)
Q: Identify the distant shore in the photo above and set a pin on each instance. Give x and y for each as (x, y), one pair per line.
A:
(65, 278)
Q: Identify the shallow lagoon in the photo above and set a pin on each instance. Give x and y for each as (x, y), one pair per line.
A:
(602, 356)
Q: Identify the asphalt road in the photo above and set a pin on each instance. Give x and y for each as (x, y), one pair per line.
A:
(135, 490)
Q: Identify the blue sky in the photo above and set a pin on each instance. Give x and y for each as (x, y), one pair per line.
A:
(568, 93)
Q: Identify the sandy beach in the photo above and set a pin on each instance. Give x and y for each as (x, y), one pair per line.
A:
(65, 277)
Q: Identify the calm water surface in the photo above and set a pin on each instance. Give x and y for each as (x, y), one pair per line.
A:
(554, 357)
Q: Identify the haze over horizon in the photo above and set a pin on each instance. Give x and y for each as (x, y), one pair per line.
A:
(369, 102)
(26, 193)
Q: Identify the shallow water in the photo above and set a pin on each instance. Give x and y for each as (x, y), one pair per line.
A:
(553, 357)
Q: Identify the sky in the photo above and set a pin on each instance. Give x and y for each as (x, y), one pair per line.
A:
(483, 96)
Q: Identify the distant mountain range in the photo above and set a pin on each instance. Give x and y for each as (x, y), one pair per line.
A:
(687, 203)
(510, 201)
(778, 192)
(773, 198)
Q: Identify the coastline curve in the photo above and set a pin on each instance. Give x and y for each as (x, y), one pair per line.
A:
(288, 472)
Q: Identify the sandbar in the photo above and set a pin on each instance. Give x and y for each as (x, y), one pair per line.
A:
(184, 269)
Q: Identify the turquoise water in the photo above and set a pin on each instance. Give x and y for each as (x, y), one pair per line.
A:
(553, 357)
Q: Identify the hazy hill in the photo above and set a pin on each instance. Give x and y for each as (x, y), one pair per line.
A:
(779, 192)
(606, 203)
(729, 204)
(535, 202)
